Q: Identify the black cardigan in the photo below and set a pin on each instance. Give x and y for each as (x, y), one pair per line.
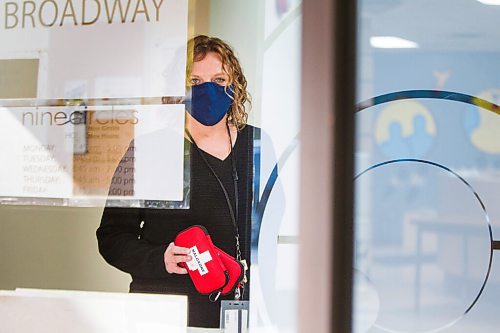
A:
(142, 257)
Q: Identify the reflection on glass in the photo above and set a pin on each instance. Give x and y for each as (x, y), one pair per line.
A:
(422, 257)
(427, 168)
(274, 285)
(424, 241)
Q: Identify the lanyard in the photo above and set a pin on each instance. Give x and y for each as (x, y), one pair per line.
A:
(232, 213)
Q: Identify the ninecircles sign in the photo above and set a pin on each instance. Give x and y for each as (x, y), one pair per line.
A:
(82, 49)
(79, 156)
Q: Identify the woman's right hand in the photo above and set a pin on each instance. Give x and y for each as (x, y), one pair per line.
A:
(173, 256)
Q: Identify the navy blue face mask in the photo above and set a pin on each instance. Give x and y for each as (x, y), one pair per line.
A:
(209, 102)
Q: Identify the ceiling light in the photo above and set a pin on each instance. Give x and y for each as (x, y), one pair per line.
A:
(392, 42)
(490, 2)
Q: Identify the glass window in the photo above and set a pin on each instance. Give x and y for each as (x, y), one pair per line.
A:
(427, 165)
(101, 133)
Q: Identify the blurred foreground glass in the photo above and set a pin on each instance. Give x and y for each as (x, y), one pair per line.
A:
(427, 168)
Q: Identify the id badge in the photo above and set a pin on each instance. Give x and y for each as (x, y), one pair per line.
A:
(234, 316)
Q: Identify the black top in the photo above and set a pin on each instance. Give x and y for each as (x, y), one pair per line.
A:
(124, 245)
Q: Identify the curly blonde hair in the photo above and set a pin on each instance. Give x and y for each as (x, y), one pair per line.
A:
(198, 47)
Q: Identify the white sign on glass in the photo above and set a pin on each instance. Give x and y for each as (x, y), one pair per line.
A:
(134, 151)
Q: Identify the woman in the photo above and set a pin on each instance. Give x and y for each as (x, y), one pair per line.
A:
(221, 161)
